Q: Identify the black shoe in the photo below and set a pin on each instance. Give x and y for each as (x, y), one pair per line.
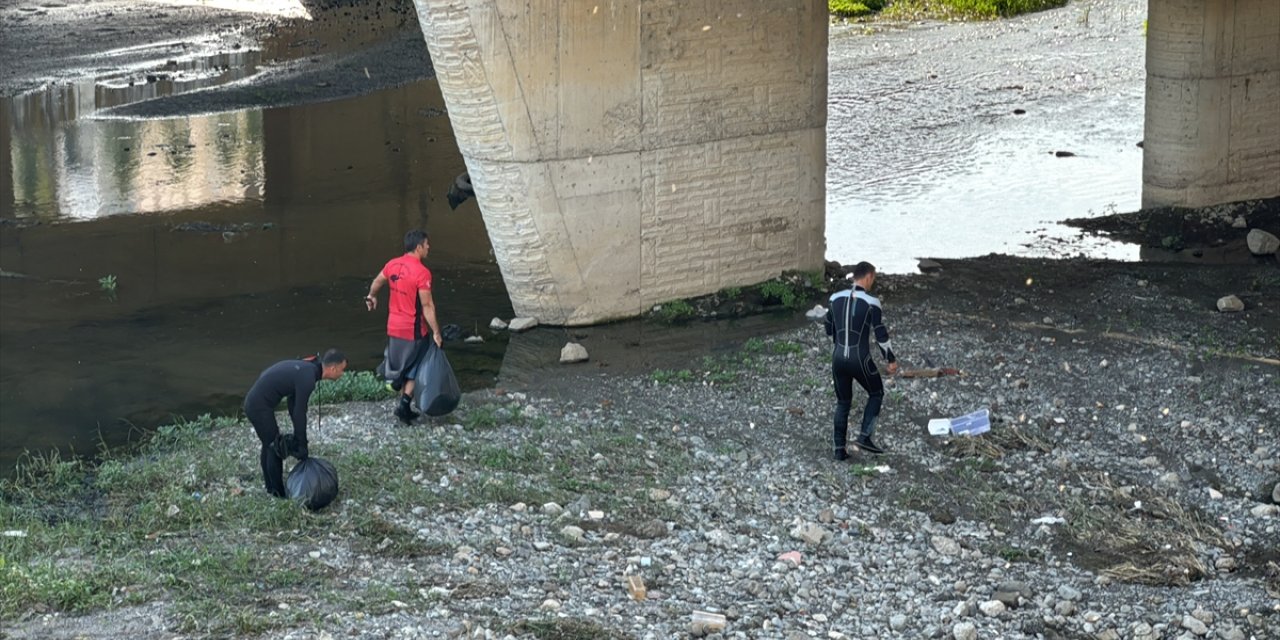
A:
(867, 445)
(405, 414)
(840, 455)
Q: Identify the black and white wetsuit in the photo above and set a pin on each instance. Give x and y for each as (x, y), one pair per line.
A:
(853, 319)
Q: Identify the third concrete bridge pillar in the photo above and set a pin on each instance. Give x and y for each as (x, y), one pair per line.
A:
(629, 152)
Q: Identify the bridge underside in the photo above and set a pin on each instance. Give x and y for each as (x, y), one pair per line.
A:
(631, 152)
(1213, 102)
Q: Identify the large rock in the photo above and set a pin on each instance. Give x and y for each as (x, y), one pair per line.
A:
(497, 324)
(1230, 304)
(573, 352)
(1262, 243)
(522, 324)
(1275, 493)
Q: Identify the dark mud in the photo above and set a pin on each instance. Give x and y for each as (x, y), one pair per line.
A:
(1209, 235)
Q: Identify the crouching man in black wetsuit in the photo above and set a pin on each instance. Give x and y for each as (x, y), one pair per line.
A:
(295, 380)
(852, 319)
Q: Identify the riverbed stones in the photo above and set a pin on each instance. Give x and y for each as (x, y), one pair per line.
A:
(1265, 510)
(1275, 493)
(810, 533)
(1262, 243)
(964, 631)
(522, 324)
(573, 352)
(1230, 304)
(1194, 625)
(945, 546)
(992, 608)
(497, 324)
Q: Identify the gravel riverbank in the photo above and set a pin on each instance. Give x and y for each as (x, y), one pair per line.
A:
(1126, 490)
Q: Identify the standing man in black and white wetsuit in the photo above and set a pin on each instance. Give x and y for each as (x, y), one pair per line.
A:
(852, 319)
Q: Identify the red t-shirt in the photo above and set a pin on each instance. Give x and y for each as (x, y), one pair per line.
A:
(406, 276)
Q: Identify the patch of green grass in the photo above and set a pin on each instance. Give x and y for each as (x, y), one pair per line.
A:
(863, 470)
(753, 345)
(778, 292)
(383, 537)
(971, 9)
(354, 386)
(914, 497)
(676, 311)
(672, 376)
(853, 8)
(785, 347)
(1017, 554)
(525, 458)
(731, 292)
(981, 465)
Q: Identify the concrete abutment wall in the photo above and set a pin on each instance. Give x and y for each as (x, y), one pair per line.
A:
(630, 152)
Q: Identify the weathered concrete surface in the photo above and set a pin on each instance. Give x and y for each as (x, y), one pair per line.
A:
(630, 152)
(1213, 102)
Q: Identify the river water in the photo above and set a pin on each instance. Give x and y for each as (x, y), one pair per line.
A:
(152, 267)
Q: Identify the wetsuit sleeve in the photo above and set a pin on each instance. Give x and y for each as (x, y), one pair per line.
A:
(303, 386)
(882, 334)
(828, 321)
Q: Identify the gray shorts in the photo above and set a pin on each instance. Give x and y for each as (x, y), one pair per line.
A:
(403, 358)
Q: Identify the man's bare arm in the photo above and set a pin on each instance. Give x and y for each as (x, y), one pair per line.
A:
(371, 300)
(429, 312)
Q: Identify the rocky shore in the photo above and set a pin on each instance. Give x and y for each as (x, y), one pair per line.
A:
(1127, 489)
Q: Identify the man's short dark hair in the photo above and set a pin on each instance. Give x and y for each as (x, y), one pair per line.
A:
(863, 269)
(413, 239)
(332, 357)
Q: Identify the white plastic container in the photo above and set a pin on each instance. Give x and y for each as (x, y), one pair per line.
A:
(939, 426)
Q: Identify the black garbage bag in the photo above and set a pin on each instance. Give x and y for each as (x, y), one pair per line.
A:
(436, 390)
(313, 482)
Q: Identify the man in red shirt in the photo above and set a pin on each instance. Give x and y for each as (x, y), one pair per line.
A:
(411, 316)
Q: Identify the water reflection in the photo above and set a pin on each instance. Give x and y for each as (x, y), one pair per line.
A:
(68, 165)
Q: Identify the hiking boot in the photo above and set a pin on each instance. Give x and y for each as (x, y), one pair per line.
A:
(839, 455)
(867, 445)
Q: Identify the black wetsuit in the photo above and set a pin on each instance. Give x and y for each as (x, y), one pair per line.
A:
(292, 379)
(852, 319)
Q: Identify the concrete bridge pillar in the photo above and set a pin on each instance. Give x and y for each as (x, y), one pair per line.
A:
(1213, 102)
(630, 152)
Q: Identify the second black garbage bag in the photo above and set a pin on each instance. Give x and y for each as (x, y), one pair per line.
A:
(436, 390)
